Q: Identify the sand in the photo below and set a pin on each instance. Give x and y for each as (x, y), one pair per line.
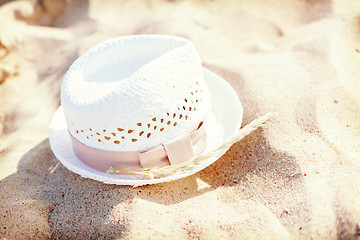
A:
(298, 177)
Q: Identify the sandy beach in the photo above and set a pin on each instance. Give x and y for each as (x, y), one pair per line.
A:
(298, 177)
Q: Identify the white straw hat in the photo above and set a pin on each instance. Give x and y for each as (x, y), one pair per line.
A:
(141, 102)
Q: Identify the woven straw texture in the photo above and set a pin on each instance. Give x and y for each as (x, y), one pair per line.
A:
(136, 92)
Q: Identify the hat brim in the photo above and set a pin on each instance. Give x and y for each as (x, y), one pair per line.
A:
(223, 122)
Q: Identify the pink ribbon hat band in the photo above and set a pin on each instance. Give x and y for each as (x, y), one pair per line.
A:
(172, 152)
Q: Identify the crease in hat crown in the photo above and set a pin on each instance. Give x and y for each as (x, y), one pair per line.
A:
(133, 93)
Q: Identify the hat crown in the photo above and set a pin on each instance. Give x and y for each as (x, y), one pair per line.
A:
(133, 93)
